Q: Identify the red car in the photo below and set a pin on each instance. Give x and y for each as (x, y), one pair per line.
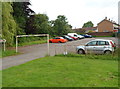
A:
(58, 40)
(75, 38)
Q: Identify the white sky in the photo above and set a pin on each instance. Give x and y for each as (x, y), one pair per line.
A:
(77, 12)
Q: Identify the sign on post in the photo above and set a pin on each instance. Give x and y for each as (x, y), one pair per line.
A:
(3, 41)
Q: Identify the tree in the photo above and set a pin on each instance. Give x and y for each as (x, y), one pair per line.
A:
(8, 23)
(30, 25)
(88, 24)
(61, 26)
(21, 14)
(38, 24)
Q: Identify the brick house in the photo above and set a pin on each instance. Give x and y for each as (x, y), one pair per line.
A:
(107, 26)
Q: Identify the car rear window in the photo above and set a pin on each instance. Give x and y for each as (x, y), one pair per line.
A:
(61, 38)
(103, 43)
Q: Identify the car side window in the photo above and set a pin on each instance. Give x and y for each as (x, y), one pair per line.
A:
(57, 38)
(103, 43)
(107, 43)
(93, 43)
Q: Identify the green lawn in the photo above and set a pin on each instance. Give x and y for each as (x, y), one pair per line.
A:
(60, 71)
(102, 36)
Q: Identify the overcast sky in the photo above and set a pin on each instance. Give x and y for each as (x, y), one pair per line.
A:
(78, 12)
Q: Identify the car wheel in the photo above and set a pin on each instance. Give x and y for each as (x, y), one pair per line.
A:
(80, 38)
(108, 52)
(50, 41)
(59, 42)
(80, 51)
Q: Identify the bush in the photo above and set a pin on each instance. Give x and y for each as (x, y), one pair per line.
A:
(113, 35)
(29, 39)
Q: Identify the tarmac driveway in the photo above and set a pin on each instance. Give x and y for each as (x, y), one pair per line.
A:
(37, 51)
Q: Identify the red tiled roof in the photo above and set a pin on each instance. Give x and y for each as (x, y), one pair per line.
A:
(109, 22)
(90, 28)
(86, 28)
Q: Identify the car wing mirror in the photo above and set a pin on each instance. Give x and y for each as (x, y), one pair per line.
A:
(86, 44)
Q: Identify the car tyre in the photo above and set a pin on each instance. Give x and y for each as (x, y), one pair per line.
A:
(107, 52)
(80, 51)
(59, 42)
(50, 41)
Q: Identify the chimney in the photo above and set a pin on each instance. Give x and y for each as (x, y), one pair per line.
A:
(114, 22)
(105, 18)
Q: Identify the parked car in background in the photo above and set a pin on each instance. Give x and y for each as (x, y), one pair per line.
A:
(58, 40)
(76, 35)
(75, 38)
(97, 46)
(80, 36)
(67, 37)
(87, 36)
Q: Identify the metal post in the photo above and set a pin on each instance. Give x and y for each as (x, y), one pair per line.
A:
(48, 44)
(4, 45)
(16, 44)
(55, 50)
(65, 49)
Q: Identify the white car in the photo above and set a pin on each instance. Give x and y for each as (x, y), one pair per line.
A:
(97, 46)
(76, 35)
(79, 36)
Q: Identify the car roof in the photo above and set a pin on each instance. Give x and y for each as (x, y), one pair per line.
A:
(101, 40)
(61, 37)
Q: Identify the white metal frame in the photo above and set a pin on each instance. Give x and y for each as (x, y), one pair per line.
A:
(18, 36)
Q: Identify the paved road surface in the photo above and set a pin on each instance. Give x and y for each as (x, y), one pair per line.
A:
(37, 51)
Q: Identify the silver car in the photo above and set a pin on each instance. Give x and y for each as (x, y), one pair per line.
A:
(97, 46)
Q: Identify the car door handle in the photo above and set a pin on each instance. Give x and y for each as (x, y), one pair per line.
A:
(105, 47)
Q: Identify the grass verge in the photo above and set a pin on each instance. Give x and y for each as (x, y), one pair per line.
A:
(32, 43)
(64, 71)
(102, 36)
(8, 53)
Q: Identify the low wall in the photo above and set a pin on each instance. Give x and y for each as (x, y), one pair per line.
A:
(101, 34)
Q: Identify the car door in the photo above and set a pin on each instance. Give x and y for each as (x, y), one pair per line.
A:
(102, 45)
(55, 40)
(90, 47)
